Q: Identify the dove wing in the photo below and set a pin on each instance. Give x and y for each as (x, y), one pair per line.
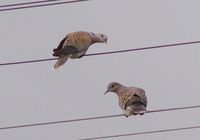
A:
(135, 95)
(65, 48)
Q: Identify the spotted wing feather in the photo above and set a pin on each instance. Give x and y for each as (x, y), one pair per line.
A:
(135, 95)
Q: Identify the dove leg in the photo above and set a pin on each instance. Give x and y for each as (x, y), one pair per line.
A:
(128, 112)
(124, 112)
(81, 54)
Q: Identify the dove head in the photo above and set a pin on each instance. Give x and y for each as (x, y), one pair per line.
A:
(101, 38)
(113, 87)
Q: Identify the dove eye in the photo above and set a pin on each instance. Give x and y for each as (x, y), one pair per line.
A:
(102, 36)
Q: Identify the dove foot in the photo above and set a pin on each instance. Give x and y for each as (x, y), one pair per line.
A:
(134, 114)
(81, 56)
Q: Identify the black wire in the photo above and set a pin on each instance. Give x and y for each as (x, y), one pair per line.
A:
(147, 48)
(105, 53)
(173, 109)
(27, 3)
(28, 61)
(93, 118)
(41, 5)
(142, 133)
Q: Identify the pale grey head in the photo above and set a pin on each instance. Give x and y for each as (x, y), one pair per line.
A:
(101, 38)
(113, 87)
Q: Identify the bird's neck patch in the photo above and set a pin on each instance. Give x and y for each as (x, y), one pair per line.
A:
(93, 37)
(92, 34)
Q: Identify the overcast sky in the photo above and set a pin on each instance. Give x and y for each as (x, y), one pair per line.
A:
(33, 93)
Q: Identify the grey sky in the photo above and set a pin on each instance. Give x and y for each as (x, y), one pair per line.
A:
(35, 93)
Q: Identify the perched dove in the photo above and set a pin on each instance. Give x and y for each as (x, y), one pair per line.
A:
(132, 100)
(75, 45)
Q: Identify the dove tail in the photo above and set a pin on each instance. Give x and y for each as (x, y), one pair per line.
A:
(138, 109)
(61, 61)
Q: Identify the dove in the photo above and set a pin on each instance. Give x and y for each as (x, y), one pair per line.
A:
(132, 100)
(75, 45)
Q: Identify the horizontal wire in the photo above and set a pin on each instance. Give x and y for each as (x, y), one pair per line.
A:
(41, 5)
(143, 133)
(93, 118)
(105, 53)
(173, 109)
(27, 3)
(147, 48)
(28, 61)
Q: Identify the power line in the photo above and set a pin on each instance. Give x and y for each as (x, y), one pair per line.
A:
(28, 61)
(93, 118)
(40, 5)
(27, 3)
(143, 133)
(105, 53)
(173, 109)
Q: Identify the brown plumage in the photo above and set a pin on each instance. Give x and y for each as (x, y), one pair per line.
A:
(132, 100)
(75, 45)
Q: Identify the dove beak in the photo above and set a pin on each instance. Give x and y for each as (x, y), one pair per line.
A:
(106, 92)
(106, 40)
